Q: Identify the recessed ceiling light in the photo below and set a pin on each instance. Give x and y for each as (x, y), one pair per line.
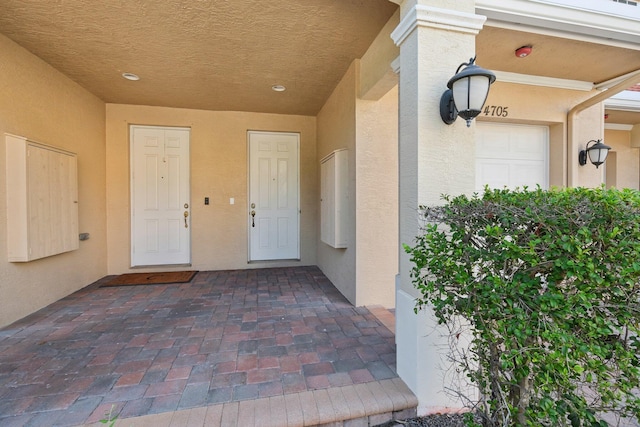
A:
(131, 76)
(278, 88)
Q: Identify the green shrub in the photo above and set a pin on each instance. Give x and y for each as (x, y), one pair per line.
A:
(548, 282)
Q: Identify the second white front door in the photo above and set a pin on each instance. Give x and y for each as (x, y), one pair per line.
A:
(160, 205)
(273, 211)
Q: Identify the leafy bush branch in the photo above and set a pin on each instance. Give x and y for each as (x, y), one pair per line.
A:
(548, 282)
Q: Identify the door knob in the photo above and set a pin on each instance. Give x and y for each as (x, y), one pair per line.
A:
(253, 218)
(186, 214)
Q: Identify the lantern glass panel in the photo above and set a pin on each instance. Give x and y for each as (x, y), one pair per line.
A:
(470, 93)
(598, 155)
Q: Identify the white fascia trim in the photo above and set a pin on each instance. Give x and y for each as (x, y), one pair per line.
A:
(614, 81)
(618, 126)
(626, 100)
(594, 19)
(627, 95)
(621, 105)
(446, 19)
(395, 65)
(527, 79)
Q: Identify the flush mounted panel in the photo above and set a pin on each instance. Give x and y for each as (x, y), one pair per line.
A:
(42, 200)
(333, 198)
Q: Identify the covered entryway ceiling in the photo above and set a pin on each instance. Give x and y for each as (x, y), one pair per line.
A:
(202, 54)
(227, 54)
(554, 57)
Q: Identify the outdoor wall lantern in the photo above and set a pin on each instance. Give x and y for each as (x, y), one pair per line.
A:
(597, 153)
(467, 92)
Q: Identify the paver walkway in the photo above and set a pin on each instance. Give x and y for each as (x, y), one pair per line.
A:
(228, 336)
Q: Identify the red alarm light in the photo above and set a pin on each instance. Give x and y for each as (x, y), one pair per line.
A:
(524, 51)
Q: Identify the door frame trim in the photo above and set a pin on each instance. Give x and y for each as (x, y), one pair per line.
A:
(131, 193)
(248, 218)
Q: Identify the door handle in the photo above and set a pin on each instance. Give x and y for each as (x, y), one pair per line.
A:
(186, 214)
(253, 217)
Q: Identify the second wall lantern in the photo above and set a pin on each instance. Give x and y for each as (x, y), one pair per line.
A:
(467, 93)
(597, 153)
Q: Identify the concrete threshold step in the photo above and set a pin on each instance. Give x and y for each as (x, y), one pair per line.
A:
(366, 404)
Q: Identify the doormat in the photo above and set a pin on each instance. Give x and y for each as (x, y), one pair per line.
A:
(132, 279)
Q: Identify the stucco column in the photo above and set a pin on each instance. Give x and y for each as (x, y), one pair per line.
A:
(434, 37)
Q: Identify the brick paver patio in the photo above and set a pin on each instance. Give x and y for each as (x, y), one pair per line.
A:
(228, 336)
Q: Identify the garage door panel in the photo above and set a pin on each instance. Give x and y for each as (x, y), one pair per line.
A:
(491, 173)
(492, 146)
(511, 156)
(527, 149)
(500, 174)
(508, 143)
(527, 174)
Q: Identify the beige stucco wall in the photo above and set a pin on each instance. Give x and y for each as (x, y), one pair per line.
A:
(433, 159)
(377, 200)
(218, 171)
(429, 57)
(362, 116)
(337, 129)
(622, 167)
(634, 134)
(365, 271)
(588, 125)
(376, 75)
(43, 105)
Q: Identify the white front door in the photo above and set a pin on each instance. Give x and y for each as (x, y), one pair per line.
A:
(511, 156)
(160, 205)
(273, 211)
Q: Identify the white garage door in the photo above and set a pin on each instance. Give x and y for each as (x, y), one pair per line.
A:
(511, 156)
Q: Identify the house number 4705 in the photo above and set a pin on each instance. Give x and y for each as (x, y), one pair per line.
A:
(496, 111)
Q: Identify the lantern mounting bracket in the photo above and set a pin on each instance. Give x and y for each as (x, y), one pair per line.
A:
(448, 111)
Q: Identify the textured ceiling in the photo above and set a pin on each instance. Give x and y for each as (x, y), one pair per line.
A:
(226, 54)
(203, 54)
